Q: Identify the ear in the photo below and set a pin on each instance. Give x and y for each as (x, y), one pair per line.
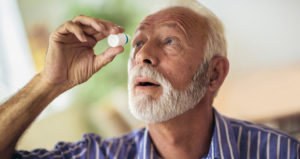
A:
(218, 70)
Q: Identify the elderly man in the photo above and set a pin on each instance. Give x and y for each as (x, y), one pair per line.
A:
(176, 67)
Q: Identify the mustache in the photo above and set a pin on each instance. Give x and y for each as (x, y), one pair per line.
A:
(146, 71)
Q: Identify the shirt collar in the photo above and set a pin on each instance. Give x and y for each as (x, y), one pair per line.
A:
(223, 143)
(223, 140)
(146, 147)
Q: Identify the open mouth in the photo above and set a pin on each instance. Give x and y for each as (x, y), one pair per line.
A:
(146, 82)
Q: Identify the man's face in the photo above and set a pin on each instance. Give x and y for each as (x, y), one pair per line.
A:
(167, 52)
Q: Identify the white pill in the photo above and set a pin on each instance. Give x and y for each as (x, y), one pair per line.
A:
(118, 39)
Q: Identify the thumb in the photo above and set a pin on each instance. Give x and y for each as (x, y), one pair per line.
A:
(106, 57)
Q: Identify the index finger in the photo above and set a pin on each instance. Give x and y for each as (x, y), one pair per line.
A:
(111, 28)
(104, 26)
(89, 21)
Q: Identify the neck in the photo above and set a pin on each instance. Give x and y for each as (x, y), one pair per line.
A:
(187, 135)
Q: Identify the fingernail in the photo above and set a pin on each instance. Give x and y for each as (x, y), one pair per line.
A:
(115, 29)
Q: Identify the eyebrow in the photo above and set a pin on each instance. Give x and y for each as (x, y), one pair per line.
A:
(176, 26)
(170, 24)
(142, 27)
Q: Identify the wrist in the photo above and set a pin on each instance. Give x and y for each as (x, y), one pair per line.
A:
(48, 86)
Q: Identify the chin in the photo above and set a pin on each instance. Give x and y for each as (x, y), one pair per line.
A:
(166, 107)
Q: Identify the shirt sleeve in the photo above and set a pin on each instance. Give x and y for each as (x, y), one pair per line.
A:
(62, 150)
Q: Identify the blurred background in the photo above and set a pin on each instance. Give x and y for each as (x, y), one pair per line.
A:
(263, 84)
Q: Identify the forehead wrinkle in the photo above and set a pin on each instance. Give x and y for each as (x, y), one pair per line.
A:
(175, 25)
(193, 24)
(188, 23)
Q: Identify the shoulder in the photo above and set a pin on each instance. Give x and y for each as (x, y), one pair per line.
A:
(255, 139)
(246, 127)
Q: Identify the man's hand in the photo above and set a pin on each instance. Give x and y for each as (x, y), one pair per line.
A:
(70, 61)
(70, 58)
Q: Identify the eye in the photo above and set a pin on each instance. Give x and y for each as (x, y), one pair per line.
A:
(138, 44)
(169, 41)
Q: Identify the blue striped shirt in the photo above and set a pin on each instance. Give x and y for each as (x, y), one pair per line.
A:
(231, 139)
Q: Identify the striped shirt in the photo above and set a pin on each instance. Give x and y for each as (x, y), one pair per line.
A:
(231, 139)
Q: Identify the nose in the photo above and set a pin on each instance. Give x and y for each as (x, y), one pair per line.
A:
(147, 55)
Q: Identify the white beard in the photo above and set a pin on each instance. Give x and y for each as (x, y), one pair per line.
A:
(172, 102)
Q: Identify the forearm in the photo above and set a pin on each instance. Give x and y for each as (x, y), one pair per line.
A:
(70, 60)
(19, 111)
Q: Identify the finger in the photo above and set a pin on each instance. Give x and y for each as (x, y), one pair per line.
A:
(99, 36)
(89, 21)
(70, 27)
(107, 56)
(121, 29)
(72, 41)
(107, 27)
(116, 30)
(91, 42)
(89, 30)
(111, 28)
(92, 32)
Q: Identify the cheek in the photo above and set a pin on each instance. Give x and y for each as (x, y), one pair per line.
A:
(173, 50)
(178, 74)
